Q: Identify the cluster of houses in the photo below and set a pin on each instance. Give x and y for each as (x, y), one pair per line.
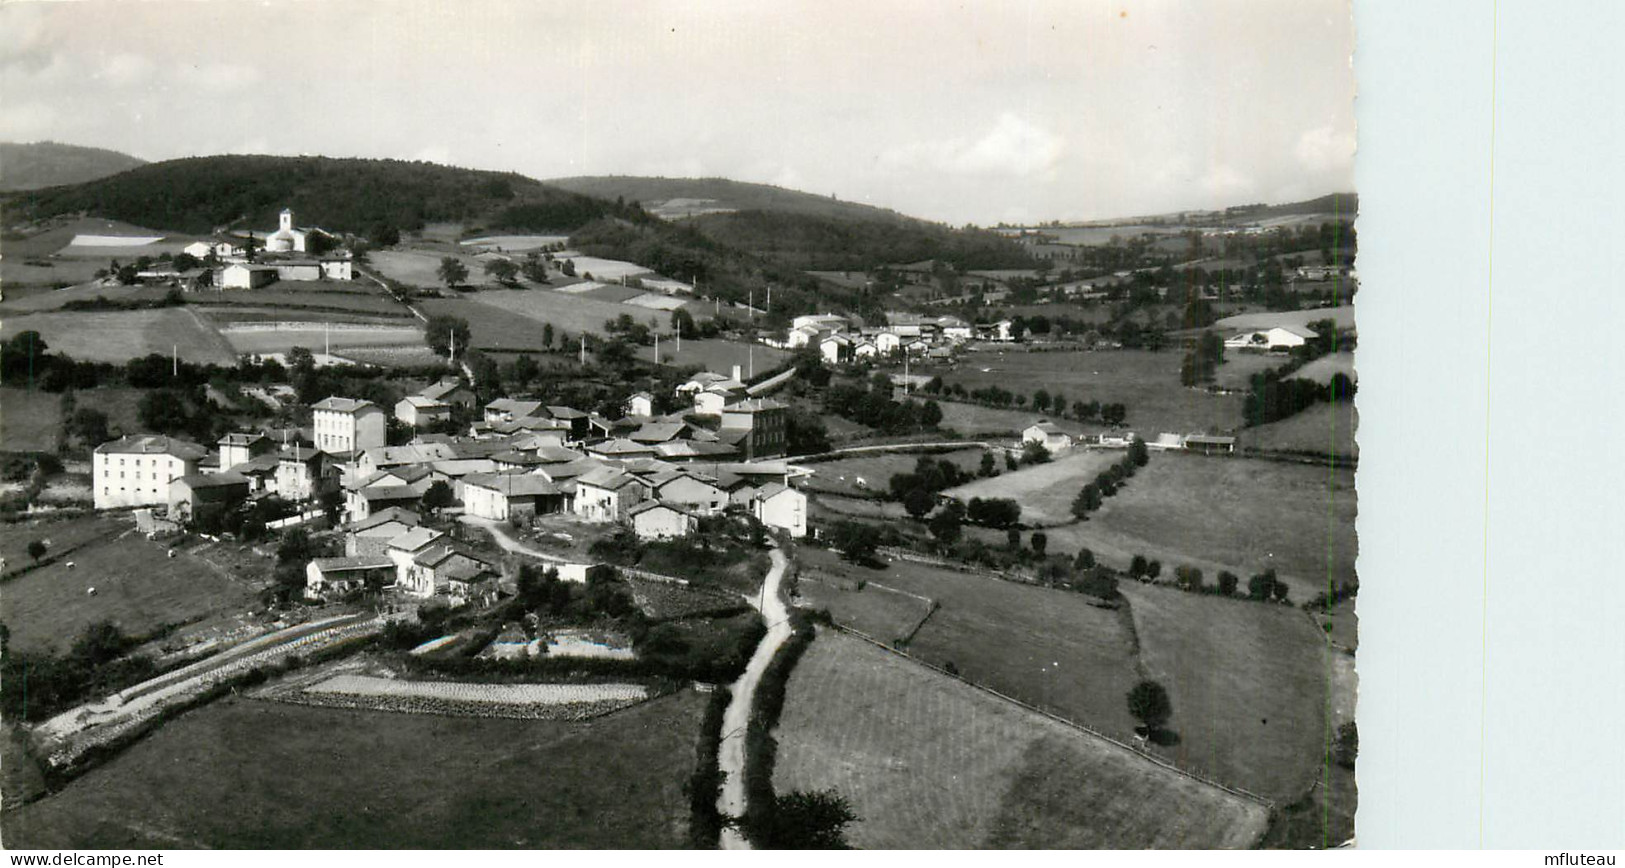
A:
(1054, 440)
(289, 253)
(522, 460)
(840, 342)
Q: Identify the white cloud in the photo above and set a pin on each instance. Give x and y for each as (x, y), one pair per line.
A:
(1014, 146)
(1324, 149)
(1225, 183)
(123, 70)
(24, 122)
(218, 77)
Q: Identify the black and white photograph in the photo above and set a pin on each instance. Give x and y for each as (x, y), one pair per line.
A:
(720, 425)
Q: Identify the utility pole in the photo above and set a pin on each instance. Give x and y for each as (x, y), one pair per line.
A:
(174, 360)
(657, 348)
(583, 349)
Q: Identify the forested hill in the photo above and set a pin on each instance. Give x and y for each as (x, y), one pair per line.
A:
(199, 194)
(34, 165)
(830, 244)
(673, 197)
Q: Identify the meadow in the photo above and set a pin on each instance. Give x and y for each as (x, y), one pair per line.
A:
(118, 336)
(1146, 383)
(254, 774)
(842, 475)
(314, 336)
(1325, 428)
(30, 420)
(1045, 491)
(1322, 370)
(928, 761)
(1343, 316)
(137, 586)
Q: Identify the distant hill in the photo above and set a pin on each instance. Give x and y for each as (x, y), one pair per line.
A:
(199, 194)
(675, 198)
(1347, 204)
(35, 165)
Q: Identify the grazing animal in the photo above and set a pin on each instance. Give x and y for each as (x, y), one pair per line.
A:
(70, 565)
(91, 591)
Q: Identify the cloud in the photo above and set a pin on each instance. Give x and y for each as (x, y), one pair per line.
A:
(27, 121)
(123, 70)
(1014, 147)
(1325, 149)
(217, 77)
(1225, 183)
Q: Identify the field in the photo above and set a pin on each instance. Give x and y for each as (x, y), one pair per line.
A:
(972, 420)
(1053, 649)
(250, 774)
(1045, 491)
(1323, 428)
(418, 267)
(1146, 383)
(118, 336)
(1322, 370)
(930, 762)
(1227, 513)
(876, 470)
(515, 242)
(1239, 367)
(30, 420)
(314, 336)
(1343, 316)
(137, 586)
(716, 355)
(1249, 689)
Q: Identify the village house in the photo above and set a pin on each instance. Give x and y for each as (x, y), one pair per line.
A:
(380, 458)
(136, 470)
(204, 496)
(326, 578)
(836, 349)
(371, 535)
(238, 447)
(509, 409)
(434, 568)
(691, 491)
(607, 494)
(779, 506)
(220, 248)
(764, 419)
(1047, 434)
(653, 520)
(451, 391)
(345, 425)
(242, 275)
(402, 549)
(302, 474)
(419, 411)
(640, 404)
(508, 496)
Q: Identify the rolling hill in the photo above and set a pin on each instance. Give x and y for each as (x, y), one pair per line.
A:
(674, 198)
(36, 165)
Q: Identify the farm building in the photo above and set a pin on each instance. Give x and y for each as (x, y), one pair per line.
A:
(1048, 435)
(137, 470)
(640, 404)
(780, 506)
(201, 496)
(451, 391)
(348, 425)
(418, 411)
(371, 535)
(302, 474)
(1209, 443)
(364, 502)
(504, 496)
(1279, 337)
(241, 275)
(238, 447)
(1166, 442)
(509, 409)
(652, 520)
(433, 568)
(331, 577)
(219, 247)
(836, 349)
(689, 490)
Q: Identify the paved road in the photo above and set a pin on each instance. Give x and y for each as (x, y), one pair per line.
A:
(731, 752)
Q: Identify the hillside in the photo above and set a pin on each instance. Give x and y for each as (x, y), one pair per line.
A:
(1346, 204)
(35, 165)
(200, 194)
(678, 197)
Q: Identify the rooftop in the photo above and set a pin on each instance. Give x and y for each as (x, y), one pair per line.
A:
(153, 444)
(343, 405)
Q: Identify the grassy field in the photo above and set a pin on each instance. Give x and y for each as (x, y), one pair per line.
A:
(930, 762)
(253, 774)
(1050, 648)
(1146, 383)
(118, 336)
(1045, 491)
(1343, 316)
(714, 355)
(314, 337)
(876, 470)
(30, 419)
(1249, 690)
(137, 586)
(1322, 370)
(60, 535)
(1323, 428)
(1239, 367)
(975, 421)
(1226, 513)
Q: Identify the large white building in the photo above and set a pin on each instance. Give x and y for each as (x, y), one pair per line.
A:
(137, 470)
(347, 425)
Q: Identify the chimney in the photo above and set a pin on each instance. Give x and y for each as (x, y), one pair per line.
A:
(736, 374)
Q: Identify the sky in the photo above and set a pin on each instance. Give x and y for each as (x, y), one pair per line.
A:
(983, 112)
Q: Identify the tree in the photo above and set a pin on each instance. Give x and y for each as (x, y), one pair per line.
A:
(1010, 461)
(1041, 399)
(1137, 567)
(918, 502)
(451, 272)
(1228, 582)
(807, 821)
(987, 468)
(1084, 560)
(1262, 586)
(1012, 537)
(506, 271)
(438, 497)
(1034, 452)
(1148, 702)
(1087, 501)
(442, 331)
(1348, 745)
(1113, 414)
(946, 526)
(857, 541)
(930, 414)
(1153, 569)
(162, 410)
(547, 336)
(1039, 542)
(569, 268)
(524, 370)
(89, 425)
(36, 549)
(1138, 452)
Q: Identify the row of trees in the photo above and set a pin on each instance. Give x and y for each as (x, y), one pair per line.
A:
(1108, 481)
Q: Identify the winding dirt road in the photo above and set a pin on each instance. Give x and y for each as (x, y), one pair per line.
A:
(731, 751)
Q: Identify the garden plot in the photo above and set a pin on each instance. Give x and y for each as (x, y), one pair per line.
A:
(522, 701)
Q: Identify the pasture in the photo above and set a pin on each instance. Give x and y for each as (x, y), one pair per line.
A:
(315, 336)
(31, 419)
(418, 267)
(973, 420)
(928, 761)
(1218, 513)
(1045, 491)
(118, 336)
(1239, 368)
(572, 313)
(1325, 428)
(1051, 648)
(1343, 316)
(842, 475)
(1146, 383)
(715, 355)
(137, 586)
(1249, 689)
(254, 774)
(17, 273)
(1323, 369)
